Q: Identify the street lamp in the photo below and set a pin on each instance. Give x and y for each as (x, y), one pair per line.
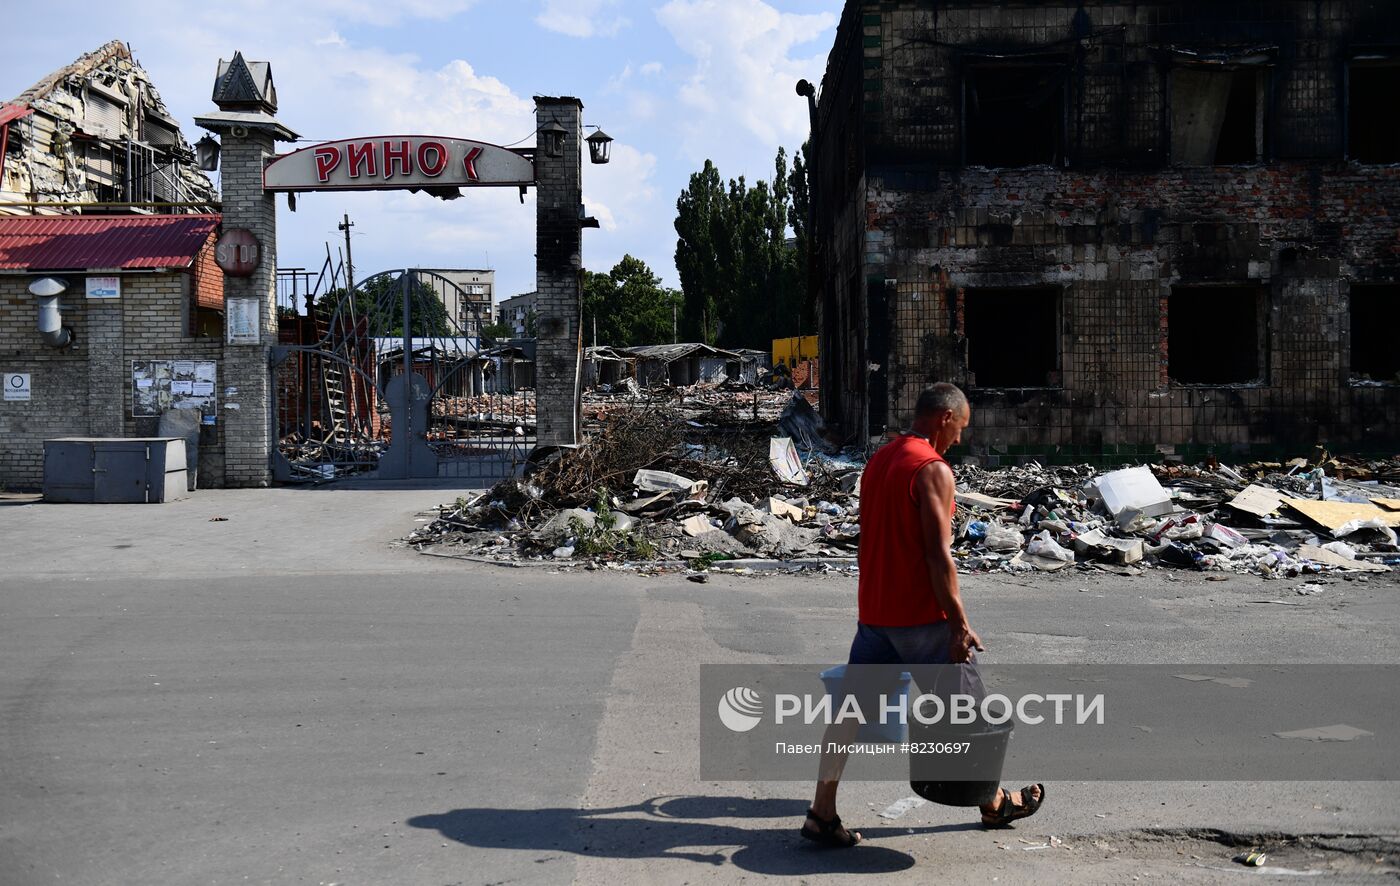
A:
(206, 152)
(552, 138)
(599, 147)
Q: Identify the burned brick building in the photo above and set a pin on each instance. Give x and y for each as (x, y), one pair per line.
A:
(1123, 228)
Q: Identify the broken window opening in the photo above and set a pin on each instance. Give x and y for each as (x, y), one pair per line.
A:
(1218, 115)
(1014, 114)
(1372, 136)
(1375, 311)
(1013, 337)
(1215, 335)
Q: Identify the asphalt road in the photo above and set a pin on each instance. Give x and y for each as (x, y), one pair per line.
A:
(283, 697)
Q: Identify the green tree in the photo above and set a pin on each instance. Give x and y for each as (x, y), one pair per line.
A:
(702, 231)
(743, 281)
(499, 331)
(628, 305)
(380, 302)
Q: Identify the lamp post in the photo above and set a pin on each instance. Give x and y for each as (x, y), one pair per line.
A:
(206, 152)
(599, 147)
(552, 138)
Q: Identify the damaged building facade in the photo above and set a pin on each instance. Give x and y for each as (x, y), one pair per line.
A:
(111, 301)
(93, 136)
(1123, 229)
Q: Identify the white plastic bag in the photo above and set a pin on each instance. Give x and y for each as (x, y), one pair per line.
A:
(1045, 546)
(1003, 539)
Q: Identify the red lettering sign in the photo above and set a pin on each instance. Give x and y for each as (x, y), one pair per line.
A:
(398, 154)
(386, 162)
(359, 157)
(469, 164)
(438, 152)
(327, 159)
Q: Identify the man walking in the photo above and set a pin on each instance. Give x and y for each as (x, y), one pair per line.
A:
(910, 610)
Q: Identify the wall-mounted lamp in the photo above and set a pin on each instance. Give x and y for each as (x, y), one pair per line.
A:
(552, 138)
(206, 152)
(599, 146)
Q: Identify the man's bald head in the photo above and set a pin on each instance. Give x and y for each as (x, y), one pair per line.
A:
(942, 397)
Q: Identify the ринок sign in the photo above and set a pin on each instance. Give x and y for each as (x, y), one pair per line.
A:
(397, 161)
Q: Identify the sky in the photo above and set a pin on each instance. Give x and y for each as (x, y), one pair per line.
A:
(673, 82)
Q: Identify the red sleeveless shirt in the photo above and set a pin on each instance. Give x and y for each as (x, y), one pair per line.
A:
(895, 590)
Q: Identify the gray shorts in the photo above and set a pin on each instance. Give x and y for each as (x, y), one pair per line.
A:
(900, 648)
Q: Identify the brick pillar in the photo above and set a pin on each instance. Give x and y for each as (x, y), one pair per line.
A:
(246, 379)
(107, 371)
(558, 266)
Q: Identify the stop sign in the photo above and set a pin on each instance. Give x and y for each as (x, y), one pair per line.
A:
(238, 252)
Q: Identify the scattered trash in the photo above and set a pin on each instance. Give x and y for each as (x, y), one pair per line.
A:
(1131, 493)
(783, 456)
(218, 519)
(728, 476)
(1254, 858)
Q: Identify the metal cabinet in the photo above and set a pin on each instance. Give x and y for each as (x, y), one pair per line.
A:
(114, 470)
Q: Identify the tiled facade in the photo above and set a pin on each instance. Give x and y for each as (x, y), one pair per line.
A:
(1050, 259)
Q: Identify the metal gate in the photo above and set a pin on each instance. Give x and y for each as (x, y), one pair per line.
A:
(395, 380)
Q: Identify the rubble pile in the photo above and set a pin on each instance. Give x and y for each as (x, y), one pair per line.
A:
(516, 408)
(1268, 518)
(697, 402)
(691, 480)
(684, 478)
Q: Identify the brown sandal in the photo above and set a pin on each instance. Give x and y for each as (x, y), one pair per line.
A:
(1007, 812)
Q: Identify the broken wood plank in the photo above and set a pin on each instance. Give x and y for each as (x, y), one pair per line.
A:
(1261, 501)
(1328, 558)
(978, 500)
(1335, 514)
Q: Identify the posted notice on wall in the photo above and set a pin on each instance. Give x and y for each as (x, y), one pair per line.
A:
(158, 385)
(241, 321)
(16, 386)
(104, 287)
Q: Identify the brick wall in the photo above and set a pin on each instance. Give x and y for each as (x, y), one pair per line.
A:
(246, 381)
(1112, 228)
(84, 389)
(558, 266)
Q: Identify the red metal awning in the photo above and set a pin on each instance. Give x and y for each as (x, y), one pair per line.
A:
(84, 242)
(13, 112)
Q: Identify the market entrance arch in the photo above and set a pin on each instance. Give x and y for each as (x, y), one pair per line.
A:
(370, 379)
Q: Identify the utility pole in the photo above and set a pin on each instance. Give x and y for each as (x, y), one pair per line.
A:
(349, 262)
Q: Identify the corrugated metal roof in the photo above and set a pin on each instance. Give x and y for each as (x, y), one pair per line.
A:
(669, 353)
(13, 112)
(84, 242)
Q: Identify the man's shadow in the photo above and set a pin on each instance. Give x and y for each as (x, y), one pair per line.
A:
(678, 828)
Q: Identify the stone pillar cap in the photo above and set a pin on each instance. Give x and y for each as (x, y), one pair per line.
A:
(223, 121)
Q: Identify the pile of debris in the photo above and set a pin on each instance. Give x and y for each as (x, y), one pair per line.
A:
(677, 481)
(1268, 518)
(694, 484)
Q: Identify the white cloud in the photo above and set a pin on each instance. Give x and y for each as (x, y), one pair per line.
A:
(581, 18)
(331, 39)
(651, 69)
(744, 66)
(622, 191)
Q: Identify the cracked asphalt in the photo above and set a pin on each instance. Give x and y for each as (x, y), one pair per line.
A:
(284, 696)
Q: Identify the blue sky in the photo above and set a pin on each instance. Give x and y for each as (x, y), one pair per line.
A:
(673, 83)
